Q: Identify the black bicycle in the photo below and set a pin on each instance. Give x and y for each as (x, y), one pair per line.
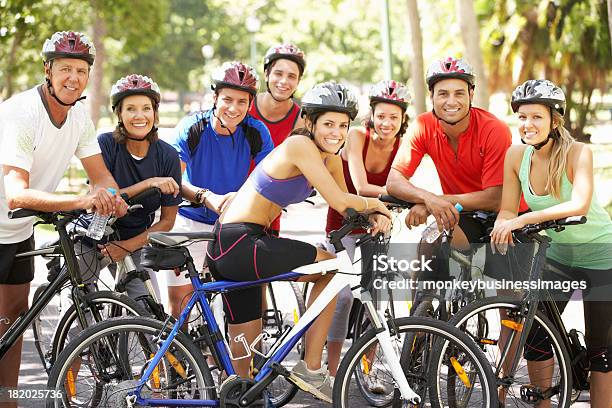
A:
(524, 324)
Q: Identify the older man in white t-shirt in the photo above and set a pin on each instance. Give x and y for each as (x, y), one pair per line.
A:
(40, 130)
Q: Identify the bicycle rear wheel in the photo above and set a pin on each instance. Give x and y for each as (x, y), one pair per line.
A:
(105, 362)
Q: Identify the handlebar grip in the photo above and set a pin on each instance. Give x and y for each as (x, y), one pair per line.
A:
(22, 213)
(573, 220)
(389, 199)
(150, 192)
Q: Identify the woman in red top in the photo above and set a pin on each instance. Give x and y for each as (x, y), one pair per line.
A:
(366, 160)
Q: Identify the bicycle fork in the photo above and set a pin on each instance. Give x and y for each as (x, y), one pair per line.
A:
(392, 358)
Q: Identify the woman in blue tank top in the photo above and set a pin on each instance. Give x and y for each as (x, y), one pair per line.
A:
(555, 175)
(246, 250)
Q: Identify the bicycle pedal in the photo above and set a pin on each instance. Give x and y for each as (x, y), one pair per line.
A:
(306, 387)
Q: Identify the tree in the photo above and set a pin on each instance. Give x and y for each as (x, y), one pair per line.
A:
(416, 57)
(470, 33)
(566, 41)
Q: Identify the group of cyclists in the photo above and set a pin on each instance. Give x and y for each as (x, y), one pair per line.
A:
(252, 154)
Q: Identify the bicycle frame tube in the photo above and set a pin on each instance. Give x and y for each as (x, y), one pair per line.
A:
(281, 348)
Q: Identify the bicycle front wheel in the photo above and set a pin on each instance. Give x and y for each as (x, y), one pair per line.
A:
(97, 307)
(547, 374)
(105, 362)
(365, 359)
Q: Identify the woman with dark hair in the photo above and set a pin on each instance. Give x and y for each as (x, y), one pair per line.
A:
(139, 161)
(245, 249)
(555, 175)
(366, 162)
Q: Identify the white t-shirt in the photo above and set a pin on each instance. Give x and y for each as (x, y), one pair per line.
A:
(29, 140)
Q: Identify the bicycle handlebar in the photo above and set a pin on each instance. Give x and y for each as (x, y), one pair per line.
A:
(558, 225)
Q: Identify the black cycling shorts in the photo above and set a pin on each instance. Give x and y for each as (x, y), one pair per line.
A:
(597, 315)
(14, 271)
(248, 252)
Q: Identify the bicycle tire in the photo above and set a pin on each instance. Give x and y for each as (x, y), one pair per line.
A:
(44, 328)
(344, 395)
(119, 303)
(113, 374)
(488, 309)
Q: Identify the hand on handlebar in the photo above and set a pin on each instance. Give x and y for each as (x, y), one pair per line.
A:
(379, 223)
(114, 250)
(501, 235)
(167, 185)
(376, 206)
(445, 213)
(417, 215)
(105, 203)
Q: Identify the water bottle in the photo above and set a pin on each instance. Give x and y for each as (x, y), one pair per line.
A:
(431, 233)
(97, 226)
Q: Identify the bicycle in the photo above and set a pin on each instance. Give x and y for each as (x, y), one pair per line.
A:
(52, 326)
(87, 305)
(136, 361)
(503, 340)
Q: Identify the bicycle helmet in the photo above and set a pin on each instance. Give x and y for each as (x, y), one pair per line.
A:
(69, 44)
(540, 91)
(330, 96)
(235, 75)
(134, 84)
(450, 67)
(390, 91)
(285, 51)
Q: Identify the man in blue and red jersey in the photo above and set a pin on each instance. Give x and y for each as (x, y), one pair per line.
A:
(467, 146)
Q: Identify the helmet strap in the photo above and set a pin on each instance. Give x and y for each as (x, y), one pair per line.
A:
(52, 93)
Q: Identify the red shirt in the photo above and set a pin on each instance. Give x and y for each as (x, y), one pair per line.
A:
(334, 218)
(478, 162)
(279, 131)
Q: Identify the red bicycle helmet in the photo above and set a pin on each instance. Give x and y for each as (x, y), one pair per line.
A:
(450, 67)
(390, 91)
(285, 51)
(134, 84)
(235, 75)
(69, 44)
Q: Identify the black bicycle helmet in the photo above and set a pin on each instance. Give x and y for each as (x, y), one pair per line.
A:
(540, 91)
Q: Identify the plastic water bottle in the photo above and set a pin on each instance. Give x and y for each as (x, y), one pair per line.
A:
(431, 233)
(97, 226)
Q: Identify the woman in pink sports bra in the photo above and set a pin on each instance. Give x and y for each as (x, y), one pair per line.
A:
(245, 250)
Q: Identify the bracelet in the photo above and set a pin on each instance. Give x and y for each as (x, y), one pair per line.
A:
(366, 203)
(198, 195)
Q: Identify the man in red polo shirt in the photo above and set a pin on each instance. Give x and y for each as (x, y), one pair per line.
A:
(467, 146)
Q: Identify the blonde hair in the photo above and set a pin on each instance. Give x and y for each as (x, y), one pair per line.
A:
(558, 157)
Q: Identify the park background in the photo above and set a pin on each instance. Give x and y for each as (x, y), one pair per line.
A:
(179, 42)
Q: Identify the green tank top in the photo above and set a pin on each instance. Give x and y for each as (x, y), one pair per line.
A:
(588, 245)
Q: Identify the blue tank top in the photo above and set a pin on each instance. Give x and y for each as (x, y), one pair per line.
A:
(281, 192)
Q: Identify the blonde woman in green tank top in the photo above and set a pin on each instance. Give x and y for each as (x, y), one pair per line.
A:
(555, 175)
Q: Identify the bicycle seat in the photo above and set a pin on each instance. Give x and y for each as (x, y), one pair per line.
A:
(171, 239)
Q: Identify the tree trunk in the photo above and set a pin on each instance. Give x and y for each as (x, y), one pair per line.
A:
(10, 66)
(470, 33)
(416, 55)
(98, 97)
(610, 20)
